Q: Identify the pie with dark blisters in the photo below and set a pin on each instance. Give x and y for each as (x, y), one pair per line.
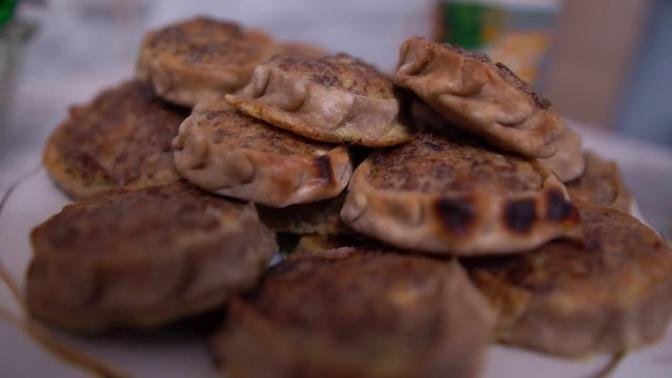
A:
(601, 184)
(334, 98)
(483, 97)
(120, 139)
(449, 195)
(353, 312)
(201, 59)
(610, 294)
(568, 161)
(142, 259)
(229, 153)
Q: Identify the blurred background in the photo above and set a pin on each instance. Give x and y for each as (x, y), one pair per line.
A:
(605, 64)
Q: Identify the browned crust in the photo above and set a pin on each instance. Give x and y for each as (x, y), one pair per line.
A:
(477, 219)
(333, 98)
(120, 139)
(141, 259)
(66, 179)
(232, 154)
(201, 59)
(478, 95)
(348, 313)
(601, 184)
(322, 217)
(608, 296)
(568, 161)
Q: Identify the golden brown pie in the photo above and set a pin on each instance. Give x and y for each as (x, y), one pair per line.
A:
(610, 294)
(472, 92)
(334, 98)
(449, 195)
(353, 312)
(142, 259)
(229, 153)
(120, 139)
(201, 59)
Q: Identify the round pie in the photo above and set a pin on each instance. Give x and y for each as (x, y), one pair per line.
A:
(120, 139)
(144, 258)
(610, 294)
(334, 98)
(450, 195)
(201, 59)
(601, 184)
(229, 153)
(357, 313)
(480, 96)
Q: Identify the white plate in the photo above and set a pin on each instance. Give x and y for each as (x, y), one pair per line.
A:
(175, 355)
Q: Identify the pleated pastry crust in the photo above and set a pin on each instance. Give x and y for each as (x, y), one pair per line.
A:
(601, 184)
(334, 98)
(482, 97)
(144, 258)
(232, 154)
(449, 195)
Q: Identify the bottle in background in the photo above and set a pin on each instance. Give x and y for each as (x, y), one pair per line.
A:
(514, 32)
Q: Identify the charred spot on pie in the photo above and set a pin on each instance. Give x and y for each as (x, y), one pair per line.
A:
(559, 208)
(324, 168)
(457, 215)
(520, 215)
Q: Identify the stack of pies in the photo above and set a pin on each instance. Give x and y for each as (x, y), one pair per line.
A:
(421, 215)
